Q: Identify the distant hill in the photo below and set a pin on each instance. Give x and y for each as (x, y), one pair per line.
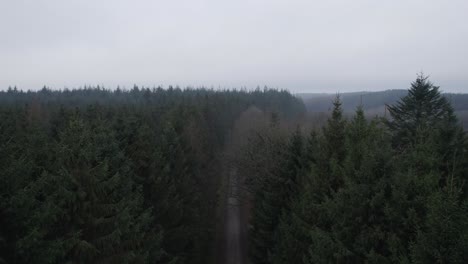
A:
(374, 102)
(370, 100)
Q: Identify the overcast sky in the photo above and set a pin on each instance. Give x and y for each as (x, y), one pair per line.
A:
(303, 46)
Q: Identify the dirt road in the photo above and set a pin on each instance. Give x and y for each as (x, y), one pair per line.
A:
(234, 252)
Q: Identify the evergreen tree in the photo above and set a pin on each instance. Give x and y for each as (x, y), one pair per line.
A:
(267, 201)
(425, 114)
(307, 211)
(356, 210)
(19, 168)
(180, 214)
(291, 174)
(428, 160)
(334, 146)
(91, 210)
(424, 107)
(444, 236)
(334, 133)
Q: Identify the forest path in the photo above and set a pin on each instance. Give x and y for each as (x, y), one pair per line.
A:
(234, 252)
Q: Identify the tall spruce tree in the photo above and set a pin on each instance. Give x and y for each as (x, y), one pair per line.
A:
(429, 164)
(358, 228)
(291, 235)
(268, 202)
(323, 175)
(424, 107)
(334, 146)
(426, 113)
(291, 174)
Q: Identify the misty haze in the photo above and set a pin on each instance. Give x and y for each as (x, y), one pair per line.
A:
(233, 132)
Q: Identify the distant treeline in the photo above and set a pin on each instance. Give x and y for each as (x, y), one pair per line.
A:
(358, 190)
(371, 100)
(374, 102)
(99, 176)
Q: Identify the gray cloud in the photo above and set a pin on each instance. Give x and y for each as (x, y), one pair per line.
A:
(299, 45)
